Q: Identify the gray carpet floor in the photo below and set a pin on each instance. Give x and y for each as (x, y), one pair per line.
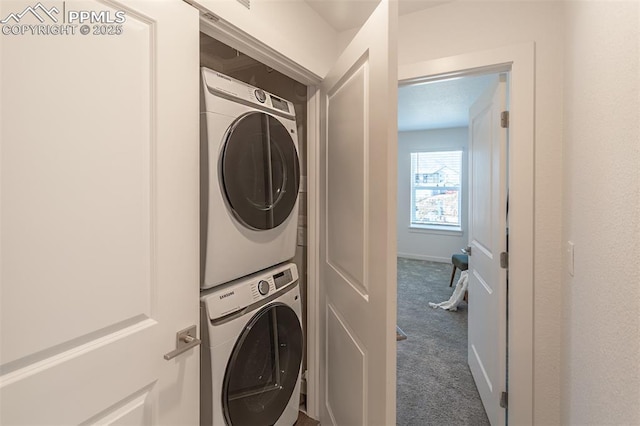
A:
(435, 386)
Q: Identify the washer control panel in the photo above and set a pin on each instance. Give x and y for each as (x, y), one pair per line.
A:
(231, 297)
(279, 278)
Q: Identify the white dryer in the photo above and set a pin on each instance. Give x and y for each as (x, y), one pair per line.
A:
(251, 353)
(250, 177)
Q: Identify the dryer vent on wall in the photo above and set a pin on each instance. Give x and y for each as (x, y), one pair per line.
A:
(245, 3)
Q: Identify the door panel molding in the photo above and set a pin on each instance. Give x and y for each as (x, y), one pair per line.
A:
(346, 404)
(484, 370)
(49, 358)
(73, 238)
(347, 179)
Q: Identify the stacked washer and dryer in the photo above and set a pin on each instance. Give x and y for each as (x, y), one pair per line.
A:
(250, 301)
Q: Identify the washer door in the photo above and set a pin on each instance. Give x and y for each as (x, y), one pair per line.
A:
(259, 171)
(263, 369)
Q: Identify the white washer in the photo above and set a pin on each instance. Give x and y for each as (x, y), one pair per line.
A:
(250, 176)
(252, 346)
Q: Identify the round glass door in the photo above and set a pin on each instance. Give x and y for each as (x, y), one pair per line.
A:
(263, 369)
(259, 171)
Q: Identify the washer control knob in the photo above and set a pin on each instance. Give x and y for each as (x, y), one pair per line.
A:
(263, 287)
(260, 95)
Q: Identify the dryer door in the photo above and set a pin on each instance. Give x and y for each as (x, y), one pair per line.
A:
(259, 171)
(264, 367)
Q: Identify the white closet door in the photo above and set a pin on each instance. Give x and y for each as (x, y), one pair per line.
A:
(99, 212)
(358, 228)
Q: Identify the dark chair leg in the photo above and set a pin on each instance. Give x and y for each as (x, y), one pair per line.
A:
(453, 274)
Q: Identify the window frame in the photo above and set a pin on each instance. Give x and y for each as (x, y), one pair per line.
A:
(437, 228)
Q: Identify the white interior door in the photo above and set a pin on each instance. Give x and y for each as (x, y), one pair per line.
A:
(357, 228)
(99, 212)
(487, 239)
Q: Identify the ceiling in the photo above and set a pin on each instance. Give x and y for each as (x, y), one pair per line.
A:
(439, 104)
(344, 15)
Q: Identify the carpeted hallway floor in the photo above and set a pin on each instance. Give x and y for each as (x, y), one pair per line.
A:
(435, 386)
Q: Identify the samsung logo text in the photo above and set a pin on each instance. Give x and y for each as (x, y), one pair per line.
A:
(231, 293)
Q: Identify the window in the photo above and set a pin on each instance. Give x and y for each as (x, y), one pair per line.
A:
(436, 190)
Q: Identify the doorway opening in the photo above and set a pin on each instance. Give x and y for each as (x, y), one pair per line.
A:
(224, 59)
(439, 182)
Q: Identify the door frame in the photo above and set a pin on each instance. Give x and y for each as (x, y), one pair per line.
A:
(520, 60)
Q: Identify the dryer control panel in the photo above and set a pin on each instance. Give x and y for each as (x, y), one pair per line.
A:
(228, 87)
(241, 293)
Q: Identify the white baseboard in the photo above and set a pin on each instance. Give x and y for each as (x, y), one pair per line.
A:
(424, 257)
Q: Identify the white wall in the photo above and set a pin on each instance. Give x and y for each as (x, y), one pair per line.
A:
(602, 213)
(467, 26)
(436, 246)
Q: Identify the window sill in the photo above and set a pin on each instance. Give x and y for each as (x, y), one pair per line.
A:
(437, 230)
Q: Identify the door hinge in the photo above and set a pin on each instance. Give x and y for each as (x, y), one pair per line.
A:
(504, 260)
(504, 400)
(504, 119)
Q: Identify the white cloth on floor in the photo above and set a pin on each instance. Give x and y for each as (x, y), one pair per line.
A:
(457, 296)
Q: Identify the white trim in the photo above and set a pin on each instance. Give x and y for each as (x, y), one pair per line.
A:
(423, 257)
(520, 58)
(436, 230)
(313, 252)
